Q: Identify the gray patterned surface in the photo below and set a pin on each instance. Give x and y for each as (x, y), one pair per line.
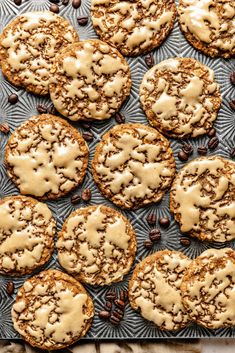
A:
(133, 326)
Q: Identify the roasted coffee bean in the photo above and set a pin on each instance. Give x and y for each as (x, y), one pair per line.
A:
(149, 60)
(108, 306)
(104, 314)
(10, 288)
(82, 20)
(86, 126)
(148, 244)
(118, 314)
(154, 235)
(232, 152)
(65, 2)
(120, 119)
(13, 98)
(232, 77)
(123, 295)
(120, 311)
(54, 8)
(164, 222)
(75, 199)
(120, 303)
(211, 132)
(42, 109)
(4, 128)
(76, 3)
(18, 2)
(51, 110)
(86, 195)
(114, 320)
(88, 136)
(151, 219)
(202, 150)
(110, 295)
(183, 156)
(232, 104)
(213, 143)
(187, 148)
(185, 241)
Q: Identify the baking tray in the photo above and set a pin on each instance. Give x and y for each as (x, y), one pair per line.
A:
(133, 325)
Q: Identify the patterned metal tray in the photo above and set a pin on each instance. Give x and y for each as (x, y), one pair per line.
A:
(133, 326)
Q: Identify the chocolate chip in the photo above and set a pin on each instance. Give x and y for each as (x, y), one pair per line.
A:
(76, 4)
(123, 295)
(211, 132)
(232, 104)
(151, 219)
(185, 241)
(118, 314)
(54, 8)
(149, 60)
(10, 288)
(114, 320)
(213, 143)
(232, 152)
(164, 222)
(18, 2)
(42, 109)
(154, 235)
(88, 136)
(82, 20)
(120, 119)
(183, 156)
(51, 109)
(104, 314)
(187, 148)
(232, 77)
(75, 199)
(108, 306)
(148, 244)
(120, 303)
(4, 128)
(86, 195)
(13, 98)
(202, 150)
(110, 295)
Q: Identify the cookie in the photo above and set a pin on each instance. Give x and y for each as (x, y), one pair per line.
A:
(133, 165)
(133, 27)
(46, 157)
(180, 97)
(28, 46)
(52, 310)
(202, 198)
(208, 288)
(27, 231)
(154, 289)
(208, 25)
(97, 245)
(90, 80)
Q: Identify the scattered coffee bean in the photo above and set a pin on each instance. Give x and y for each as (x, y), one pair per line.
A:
(86, 195)
(114, 320)
(42, 109)
(120, 119)
(18, 2)
(149, 60)
(51, 109)
(4, 128)
(88, 136)
(154, 235)
(82, 20)
(75, 199)
(76, 4)
(202, 150)
(104, 314)
(232, 104)
(187, 148)
(10, 288)
(86, 126)
(185, 241)
(54, 8)
(120, 311)
(213, 143)
(148, 244)
(232, 77)
(118, 314)
(211, 132)
(151, 219)
(164, 222)
(183, 156)
(65, 2)
(232, 152)
(110, 295)
(108, 306)
(13, 98)
(123, 295)
(120, 303)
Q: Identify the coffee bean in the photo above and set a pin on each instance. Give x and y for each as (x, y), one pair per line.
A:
(120, 119)
(154, 235)
(51, 109)
(54, 8)
(148, 244)
(42, 109)
(110, 295)
(185, 241)
(114, 320)
(76, 3)
(149, 60)
(120, 303)
(120, 311)
(75, 199)
(183, 156)
(82, 20)
(65, 2)
(86, 126)
(211, 132)
(151, 219)
(108, 306)
(232, 104)
(18, 2)
(86, 195)
(187, 148)
(13, 98)
(123, 295)
(117, 314)
(202, 150)
(164, 222)
(232, 152)
(10, 288)
(4, 128)
(232, 77)
(213, 143)
(88, 136)
(104, 314)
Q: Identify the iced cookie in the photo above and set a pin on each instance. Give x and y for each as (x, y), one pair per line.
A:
(52, 310)
(209, 25)
(27, 231)
(28, 46)
(154, 289)
(90, 81)
(208, 288)
(133, 165)
(133, 27)
(202, 198)
(180, 97)
(46, 157)
(97, 245)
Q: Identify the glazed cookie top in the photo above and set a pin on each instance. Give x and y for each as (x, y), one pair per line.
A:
(154, 289)
(52, 310)
(46, 157)
(209, 25)
(134, 27)
(28, 46)
(90, 80)
(202, 198)
(180, 97)
(27, 231)
(208, 288)
(133, 165)
(97, 245)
